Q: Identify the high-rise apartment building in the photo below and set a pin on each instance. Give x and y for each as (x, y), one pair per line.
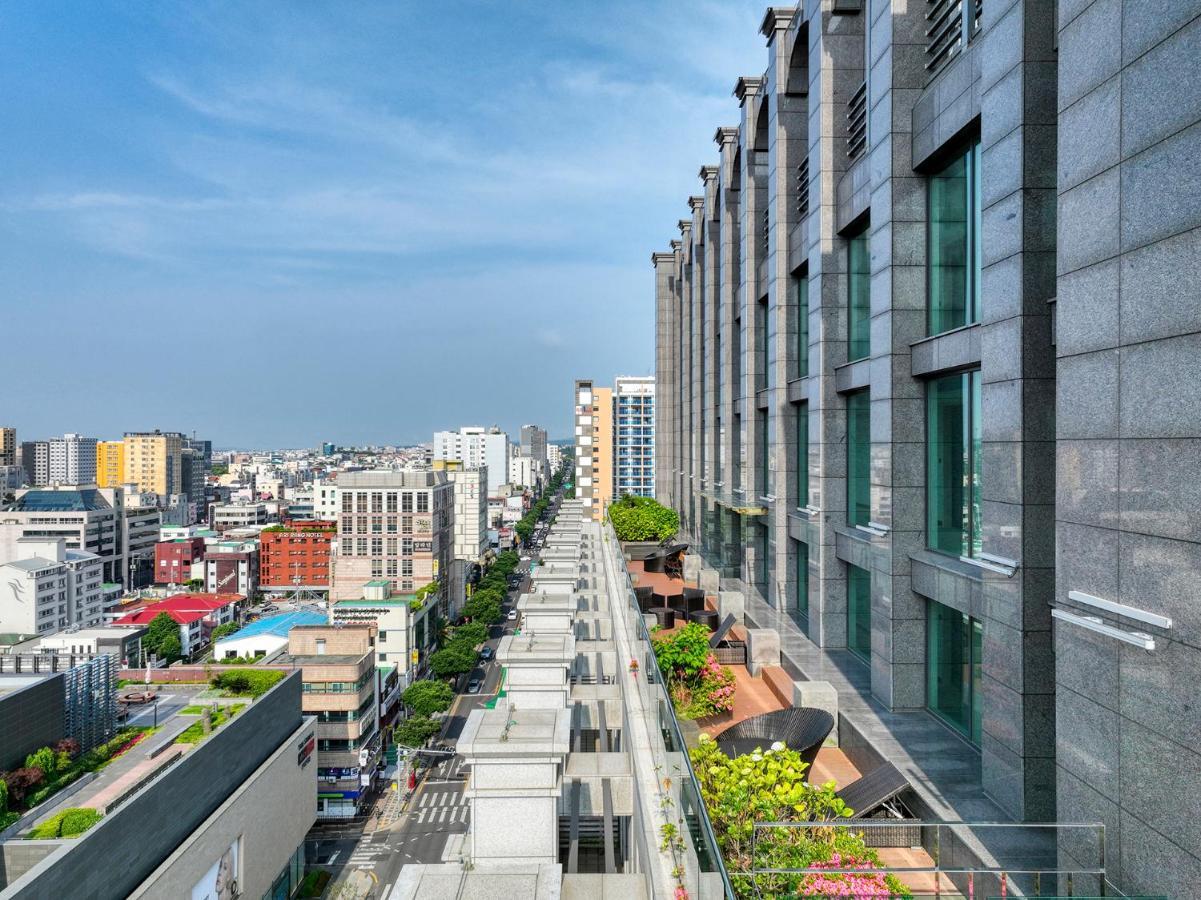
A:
(35, 459)
(110, 463)
(912, 332)
(634, 436)
(8, 446)
(477, 446)
(469, 524)
(593, 447)
(533, 442)
(153, 461)
(554, 458)
(72, 460)
(395, 526)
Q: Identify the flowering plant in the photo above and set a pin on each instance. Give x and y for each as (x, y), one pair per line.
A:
(698, 684)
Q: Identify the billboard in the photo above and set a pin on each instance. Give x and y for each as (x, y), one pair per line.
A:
(221, 881)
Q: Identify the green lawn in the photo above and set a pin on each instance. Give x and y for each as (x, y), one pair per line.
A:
(194, 733)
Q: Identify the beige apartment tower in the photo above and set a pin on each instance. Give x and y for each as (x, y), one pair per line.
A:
(8, 446)
(153, 461)
(593, 447)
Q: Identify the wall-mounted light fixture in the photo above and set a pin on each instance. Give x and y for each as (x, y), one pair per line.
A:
(1092, 623)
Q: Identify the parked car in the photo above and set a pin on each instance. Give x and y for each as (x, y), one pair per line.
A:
(486, 654)
(512, 616)
(473, 686)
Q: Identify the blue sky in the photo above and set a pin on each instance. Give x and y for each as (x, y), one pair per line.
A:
(282, 223)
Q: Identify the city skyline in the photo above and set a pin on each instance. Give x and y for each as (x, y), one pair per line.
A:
(497, 178)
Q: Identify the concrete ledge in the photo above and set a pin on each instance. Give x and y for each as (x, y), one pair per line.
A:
(762, 649)
(818, 695)
(780, 683)
(692, 567)
(731, 603)
(710, 581)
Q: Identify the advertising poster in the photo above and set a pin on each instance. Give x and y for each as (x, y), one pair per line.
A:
(221, 881)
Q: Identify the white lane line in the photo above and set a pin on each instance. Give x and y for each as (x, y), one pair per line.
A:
(387, 890)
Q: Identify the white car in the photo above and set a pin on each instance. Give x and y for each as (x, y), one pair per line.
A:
(512, 616)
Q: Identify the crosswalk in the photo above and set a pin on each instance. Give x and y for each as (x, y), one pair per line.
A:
(441, 807)
(366, 855)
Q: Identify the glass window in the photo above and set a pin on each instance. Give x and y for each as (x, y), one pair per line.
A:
(859, 459)
(760, 348)
(802, 455)
(954, 252)
(859, 612)
(954, 453)
(762, 476)
(953, 650)
(801, 601)
(801, 288)
(859, 297)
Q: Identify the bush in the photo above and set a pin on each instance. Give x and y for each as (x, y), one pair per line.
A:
(247, 682)
(22, 782)
(67, 824)
(425, 698)
(642, 519)
(699, 686)
(415, 731)
(225, 630)
(314, 883)
(769, 786)
(44, 759)
(3, 796)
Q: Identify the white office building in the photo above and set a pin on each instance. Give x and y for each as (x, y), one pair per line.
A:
(72, 459)
(476, 446)
(49, 587)
(634, 436)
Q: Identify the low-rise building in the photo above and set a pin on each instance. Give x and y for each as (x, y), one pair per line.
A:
(265, 637)
(404, 622)
(123, 642)
(337, 666)
(196, 614)
(232, 567)
(179, 561)
(46, 586)
(224, 516)
(294, 556)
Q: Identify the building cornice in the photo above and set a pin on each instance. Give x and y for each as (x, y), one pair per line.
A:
(726, 134)
(707, 173)
(777, 18)
(657, 258)
(747, 86)
(696, 203)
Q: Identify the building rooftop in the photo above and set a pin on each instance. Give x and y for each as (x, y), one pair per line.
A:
(280, 625)
(81, 500)
(33, 564)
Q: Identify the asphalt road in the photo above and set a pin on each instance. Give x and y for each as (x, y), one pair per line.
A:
(418, 832)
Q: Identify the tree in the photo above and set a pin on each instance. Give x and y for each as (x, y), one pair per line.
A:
(482, 609)
(425, 698)
(44, 759)
(21, 781)
(225, 630)
(415, 731)
(453, 659)
(162, 638)
(472, 634)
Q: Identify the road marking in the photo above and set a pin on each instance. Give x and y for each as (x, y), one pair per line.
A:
(386, 892)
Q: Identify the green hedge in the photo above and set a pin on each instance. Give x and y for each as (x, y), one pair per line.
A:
(642, 519)
(248, 682)
(67, 824)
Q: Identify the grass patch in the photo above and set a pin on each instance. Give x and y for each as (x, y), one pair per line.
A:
(194, 733)
(69, 823)
(247, 682)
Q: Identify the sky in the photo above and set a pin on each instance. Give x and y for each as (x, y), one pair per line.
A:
(277, 224)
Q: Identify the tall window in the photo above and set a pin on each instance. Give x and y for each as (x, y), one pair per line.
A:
(801, 601)
(763, 473)
(859, 302)
(859, 459)
(801, 287)
(953, 652)
(859, 612)
(761, 339)
(954, 243)
(802, 454)
(954, 453)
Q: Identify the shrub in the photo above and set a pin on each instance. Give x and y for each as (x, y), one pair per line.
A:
(69, 746)
(248, 682)
(314, 883)
(22, 782)
(225, 630)
(44, 759)
(3, 796)
(642, 519)
(769, 786)
(425, 698)
(699, 686)
(67, 824)
(415, 731)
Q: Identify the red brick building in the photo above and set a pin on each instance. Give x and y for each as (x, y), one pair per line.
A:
(295, 554)
(173, 560)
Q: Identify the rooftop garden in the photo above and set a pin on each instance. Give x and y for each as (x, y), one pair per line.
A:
(698, 685)
(642, 519)
(211, 718)
(70, 823)
(769, 786)
(247, 682)
(50, 769)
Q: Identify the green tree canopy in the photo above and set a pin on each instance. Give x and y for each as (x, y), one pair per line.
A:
(162, 638)
(453, 659)
(425, 698)
(416, 730)
(472, 634)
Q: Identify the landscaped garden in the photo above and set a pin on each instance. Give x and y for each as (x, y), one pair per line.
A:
(70, 823)
(216, 716)
(642, 519)
(769, 786)
(699, 686)
(247, 682)
(50, 769)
